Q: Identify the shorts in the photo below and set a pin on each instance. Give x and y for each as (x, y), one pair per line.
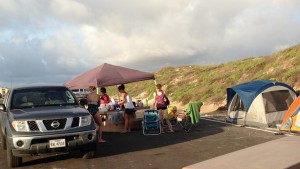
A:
(161, 107)
(93, 109)
(129, 111)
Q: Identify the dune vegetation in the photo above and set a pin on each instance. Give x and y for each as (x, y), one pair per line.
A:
(208, 84)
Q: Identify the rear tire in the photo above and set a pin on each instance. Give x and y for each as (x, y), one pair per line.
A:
(88, 154)
(12, 161)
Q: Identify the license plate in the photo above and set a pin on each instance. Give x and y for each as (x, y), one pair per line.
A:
(57, 143)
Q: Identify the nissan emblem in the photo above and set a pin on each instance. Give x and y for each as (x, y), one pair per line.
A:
(55, 124)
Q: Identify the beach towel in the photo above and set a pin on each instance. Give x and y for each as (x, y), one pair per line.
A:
(194, 112)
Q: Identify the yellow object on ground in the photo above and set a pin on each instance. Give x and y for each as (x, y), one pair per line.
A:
(172, 110)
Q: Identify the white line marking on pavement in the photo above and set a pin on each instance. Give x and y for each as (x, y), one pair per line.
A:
(218, 121)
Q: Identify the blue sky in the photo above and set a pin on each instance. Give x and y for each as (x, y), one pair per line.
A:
(52, 41)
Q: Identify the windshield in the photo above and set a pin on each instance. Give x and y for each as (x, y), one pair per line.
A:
(38, 97)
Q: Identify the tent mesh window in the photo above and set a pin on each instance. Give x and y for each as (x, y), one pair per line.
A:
(238, 104)
(277, 100)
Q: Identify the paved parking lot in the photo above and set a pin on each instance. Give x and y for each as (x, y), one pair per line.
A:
(166, 151)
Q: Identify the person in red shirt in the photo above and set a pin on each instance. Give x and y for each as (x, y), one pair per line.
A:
(104, 98)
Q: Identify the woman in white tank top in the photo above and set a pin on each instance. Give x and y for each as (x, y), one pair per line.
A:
(129, 111)
(129, 103)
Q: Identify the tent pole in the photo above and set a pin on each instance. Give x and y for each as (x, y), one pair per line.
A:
(118, 94)
(245, 118)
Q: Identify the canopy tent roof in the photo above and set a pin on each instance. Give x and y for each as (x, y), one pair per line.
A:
(107, 75)
(249, 91)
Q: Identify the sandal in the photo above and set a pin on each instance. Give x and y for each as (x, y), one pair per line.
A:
(101, 141)
(123, 132)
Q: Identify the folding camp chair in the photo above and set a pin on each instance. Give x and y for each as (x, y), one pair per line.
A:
(190, 117)
(151, 124)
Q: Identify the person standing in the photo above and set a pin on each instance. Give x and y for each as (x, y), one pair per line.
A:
(159, 103)
(93, 103)
(104, 100)
(129, 111)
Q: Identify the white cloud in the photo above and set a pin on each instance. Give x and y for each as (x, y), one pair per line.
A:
(69, 11)
(52, 41)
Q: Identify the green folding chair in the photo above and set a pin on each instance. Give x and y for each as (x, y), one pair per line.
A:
(190, 117)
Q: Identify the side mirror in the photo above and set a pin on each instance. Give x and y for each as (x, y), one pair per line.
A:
(2, 107)
(83, 102)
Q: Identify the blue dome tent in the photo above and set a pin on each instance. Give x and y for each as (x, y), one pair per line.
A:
(259, 103)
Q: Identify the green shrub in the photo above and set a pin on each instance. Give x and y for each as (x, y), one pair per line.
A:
(235, 76)
(209, 83)
(291, 72)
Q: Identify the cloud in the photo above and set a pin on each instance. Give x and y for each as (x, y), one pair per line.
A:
(69, 11)
(50, 42)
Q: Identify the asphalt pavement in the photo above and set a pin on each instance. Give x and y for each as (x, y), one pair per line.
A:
(166, 151)
(276, 154)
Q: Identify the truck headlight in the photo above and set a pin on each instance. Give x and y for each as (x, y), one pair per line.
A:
(20, 125)
(85, 120)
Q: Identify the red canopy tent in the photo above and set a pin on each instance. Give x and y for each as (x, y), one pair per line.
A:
(107, 75)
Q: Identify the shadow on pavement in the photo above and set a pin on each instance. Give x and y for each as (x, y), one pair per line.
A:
(118, 143)
(48, 159)
(296, 166)
(133, 150)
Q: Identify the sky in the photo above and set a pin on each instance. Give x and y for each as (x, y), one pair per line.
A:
(53, 41)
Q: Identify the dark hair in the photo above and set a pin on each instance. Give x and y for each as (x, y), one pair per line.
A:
(121, 87)
(158, 85)
(92, 88)
(103, 89)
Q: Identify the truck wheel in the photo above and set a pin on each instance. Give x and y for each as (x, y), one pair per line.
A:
(89, 154)
(3, 141)
(12, 161)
